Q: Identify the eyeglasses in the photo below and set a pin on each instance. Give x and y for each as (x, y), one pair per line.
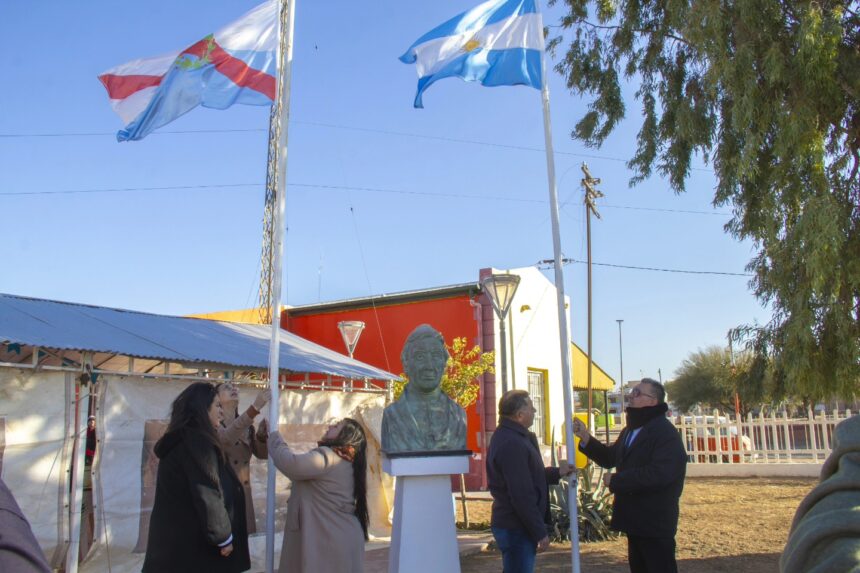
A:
(636, 392)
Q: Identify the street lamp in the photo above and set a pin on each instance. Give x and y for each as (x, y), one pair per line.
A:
(620, 355)
(350, 330)
(501, 289)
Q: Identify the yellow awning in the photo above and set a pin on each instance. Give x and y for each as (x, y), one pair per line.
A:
(246, 316)
(600, 380)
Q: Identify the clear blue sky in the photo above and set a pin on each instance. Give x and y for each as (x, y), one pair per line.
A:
(382, 197)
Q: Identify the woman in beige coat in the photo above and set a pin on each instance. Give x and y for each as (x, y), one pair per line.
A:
(239, 441)
(327, 511)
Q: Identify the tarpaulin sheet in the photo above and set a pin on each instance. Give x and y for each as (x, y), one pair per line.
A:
(33, 454)
(133, 416)
(184, 340)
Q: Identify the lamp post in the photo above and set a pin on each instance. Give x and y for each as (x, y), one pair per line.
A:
(620, 355)
(501, 289)
(620, 376)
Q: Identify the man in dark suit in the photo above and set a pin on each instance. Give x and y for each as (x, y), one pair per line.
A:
(650, 462)
(518, 482)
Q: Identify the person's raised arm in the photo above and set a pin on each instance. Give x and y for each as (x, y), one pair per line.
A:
(234, 431)
(666, 465)
(297, 466)
(603, 455)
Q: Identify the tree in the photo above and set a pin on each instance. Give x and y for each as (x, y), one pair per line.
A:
(768, 92)
(597, 400)
(711, 378)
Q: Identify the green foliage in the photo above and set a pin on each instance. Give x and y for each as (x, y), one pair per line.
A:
(710, 379)
(594, 506)
(768, 92)
(460, 380)
(597, 400)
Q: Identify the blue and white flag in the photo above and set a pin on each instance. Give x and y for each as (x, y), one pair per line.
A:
(498, 43)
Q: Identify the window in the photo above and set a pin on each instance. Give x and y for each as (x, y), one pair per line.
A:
(537, 385)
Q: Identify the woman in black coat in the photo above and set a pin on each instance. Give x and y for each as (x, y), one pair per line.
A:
(198, 517)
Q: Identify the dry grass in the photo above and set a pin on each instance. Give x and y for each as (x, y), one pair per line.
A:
(736, 525)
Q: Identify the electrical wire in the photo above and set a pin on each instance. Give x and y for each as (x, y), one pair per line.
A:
(548, 264)
(334, 126)
(340, 188)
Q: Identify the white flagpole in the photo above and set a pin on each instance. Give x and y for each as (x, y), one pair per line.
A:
(563, 328)
(285, 59)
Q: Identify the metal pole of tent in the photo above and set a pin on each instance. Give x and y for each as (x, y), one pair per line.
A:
(563, 328)
(77, 476)
(286, 23)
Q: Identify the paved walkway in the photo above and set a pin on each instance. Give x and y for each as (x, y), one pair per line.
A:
(376, 552)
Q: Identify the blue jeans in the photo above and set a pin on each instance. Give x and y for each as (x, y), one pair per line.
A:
(518, 550)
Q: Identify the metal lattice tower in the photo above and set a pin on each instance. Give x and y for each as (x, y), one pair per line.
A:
(266, 307)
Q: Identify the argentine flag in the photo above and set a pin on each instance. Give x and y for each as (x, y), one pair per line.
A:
(498, 43)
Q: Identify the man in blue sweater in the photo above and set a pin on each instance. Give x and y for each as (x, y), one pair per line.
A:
(518, 483)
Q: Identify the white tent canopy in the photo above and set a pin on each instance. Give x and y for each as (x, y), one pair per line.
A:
(115, 334)
(51, 352)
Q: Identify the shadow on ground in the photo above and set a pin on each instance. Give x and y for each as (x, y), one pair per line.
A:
(557, 559)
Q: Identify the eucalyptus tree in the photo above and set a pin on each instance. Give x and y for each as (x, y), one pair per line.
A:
(766, 92)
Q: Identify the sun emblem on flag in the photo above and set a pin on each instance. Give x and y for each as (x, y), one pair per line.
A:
(472, 45)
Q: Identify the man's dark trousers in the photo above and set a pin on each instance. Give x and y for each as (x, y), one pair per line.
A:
(651, 554)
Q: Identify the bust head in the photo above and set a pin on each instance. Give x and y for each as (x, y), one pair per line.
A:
(424, 358)
(423, 418)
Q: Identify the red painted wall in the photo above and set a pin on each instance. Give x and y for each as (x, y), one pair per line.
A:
(385, 332)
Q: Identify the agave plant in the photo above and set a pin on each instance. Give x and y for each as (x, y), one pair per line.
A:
(594, 505)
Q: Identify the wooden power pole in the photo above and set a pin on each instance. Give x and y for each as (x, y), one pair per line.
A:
(588, 182)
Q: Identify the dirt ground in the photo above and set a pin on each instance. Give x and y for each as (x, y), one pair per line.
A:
(736, 525)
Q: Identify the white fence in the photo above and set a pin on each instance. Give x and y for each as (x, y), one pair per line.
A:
(761, 439)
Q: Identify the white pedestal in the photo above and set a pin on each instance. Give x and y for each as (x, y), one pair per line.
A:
(424, 536)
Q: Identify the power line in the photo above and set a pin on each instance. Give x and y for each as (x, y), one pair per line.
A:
(335, 188)
(113, 133)
(547, 263)
(687, 211)
(132, 189)
(331, 126)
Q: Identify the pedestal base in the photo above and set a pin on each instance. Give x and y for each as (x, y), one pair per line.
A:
(424, 536)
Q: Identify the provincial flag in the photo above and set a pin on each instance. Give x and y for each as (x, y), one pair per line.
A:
(498, 43)
(237, 64)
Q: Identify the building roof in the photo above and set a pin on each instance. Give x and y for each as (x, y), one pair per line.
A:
(600, 380)
(386, 299)
(83, 328)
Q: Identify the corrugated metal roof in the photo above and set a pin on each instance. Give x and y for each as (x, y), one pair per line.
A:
(70, 326)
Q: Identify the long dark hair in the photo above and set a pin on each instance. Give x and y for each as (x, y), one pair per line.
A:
(190, 413)
(352, 434)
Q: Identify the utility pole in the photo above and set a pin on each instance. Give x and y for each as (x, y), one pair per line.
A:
(590, 195)
(620, 356)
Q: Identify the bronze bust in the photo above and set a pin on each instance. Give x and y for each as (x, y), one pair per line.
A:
(424, 418)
